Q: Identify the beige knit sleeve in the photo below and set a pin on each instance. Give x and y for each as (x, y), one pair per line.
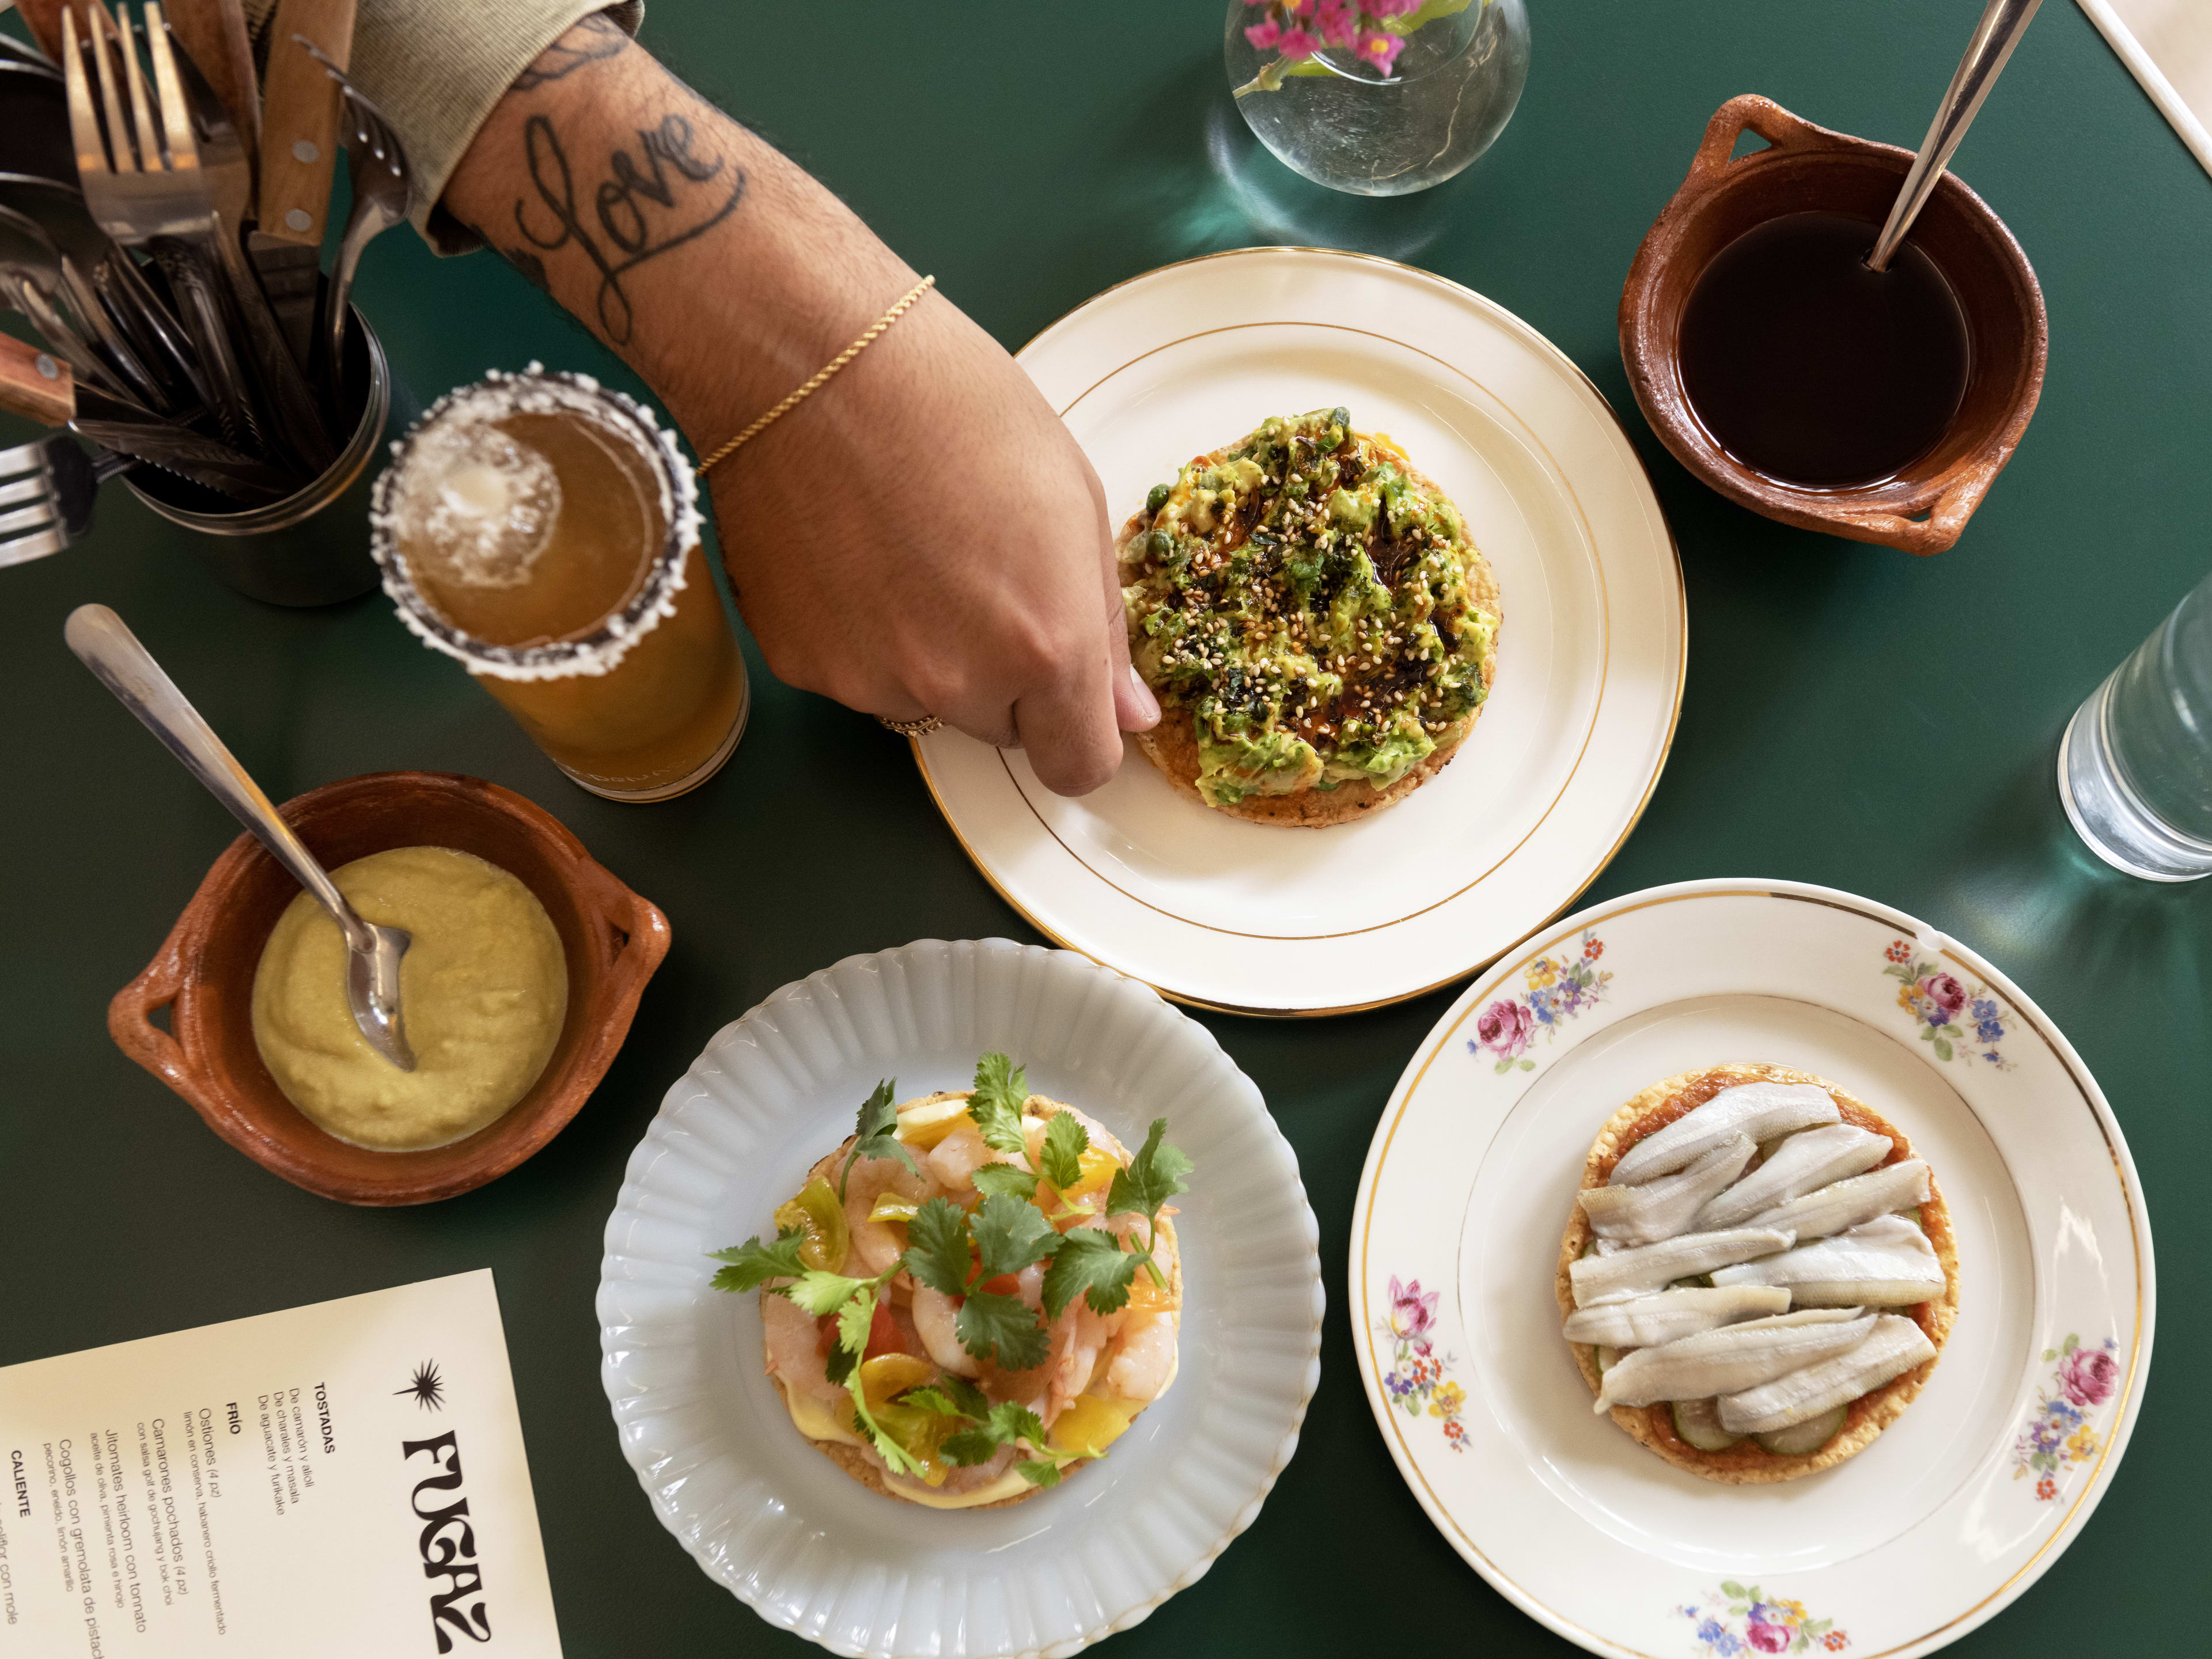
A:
(436, 67)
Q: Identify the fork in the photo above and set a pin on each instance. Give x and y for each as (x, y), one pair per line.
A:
(383, 189)
(151, 186)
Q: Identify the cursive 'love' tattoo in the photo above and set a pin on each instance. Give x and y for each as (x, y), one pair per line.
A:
(641, 210)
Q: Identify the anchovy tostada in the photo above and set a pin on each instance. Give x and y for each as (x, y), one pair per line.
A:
(1758, 1275)
(1320, 630)
(976, 1294)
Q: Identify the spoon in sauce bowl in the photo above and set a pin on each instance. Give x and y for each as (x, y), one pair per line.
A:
(1994, 36)
(125, 666)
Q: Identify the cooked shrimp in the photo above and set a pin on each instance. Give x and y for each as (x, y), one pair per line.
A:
(955, 1158)
(794, 1348)
(1078, 1338)
(877, 1244)
(934, 1321)
(1144, 1357)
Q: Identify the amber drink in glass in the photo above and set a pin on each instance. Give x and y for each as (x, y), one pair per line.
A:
(545, 531)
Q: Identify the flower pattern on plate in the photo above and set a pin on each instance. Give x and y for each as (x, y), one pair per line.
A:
(1954, 1017)
(1559, 988)
(1416, 1380)
(1771, 1624)
(2059, 1433)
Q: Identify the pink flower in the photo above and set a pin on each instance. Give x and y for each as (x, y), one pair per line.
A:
(1504, 1028)
(1945, 992)
(1391, 8)
(1767, 1638)
(1379, 49)
(1411, 1312)
(1298, 44)
(2088, 1375)
(1337, 22)
(1264, 34)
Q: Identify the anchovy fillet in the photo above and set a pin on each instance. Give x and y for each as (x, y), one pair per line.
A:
(1801, 1164)
(1887, 1262)
(1733, 1358)
(1761, 1110)
(1660, 1209)
(1651, 1267)
(1851, 1203)
(1893, 1347)
(1648, 1321)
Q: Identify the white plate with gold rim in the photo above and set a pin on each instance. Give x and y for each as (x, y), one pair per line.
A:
(1261, 919)
(1960, 1505)
(783, 1529)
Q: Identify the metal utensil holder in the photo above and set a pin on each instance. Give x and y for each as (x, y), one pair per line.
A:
(311, 547)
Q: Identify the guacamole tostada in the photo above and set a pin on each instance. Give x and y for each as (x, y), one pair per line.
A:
(1319, 627)
(973, 1296)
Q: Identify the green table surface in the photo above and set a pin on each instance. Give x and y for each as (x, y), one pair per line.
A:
(1854, 716)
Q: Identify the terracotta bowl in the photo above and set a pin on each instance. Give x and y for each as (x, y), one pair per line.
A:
(1810, 169)
(203, 975)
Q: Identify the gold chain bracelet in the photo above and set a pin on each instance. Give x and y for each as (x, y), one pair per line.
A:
(793, 400)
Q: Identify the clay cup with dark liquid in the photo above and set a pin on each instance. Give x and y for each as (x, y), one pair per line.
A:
(1878, 406)
(544, 530)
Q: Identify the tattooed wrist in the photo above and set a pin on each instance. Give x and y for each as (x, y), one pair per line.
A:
(645, 204)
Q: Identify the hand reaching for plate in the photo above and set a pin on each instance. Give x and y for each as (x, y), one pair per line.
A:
(920, 537)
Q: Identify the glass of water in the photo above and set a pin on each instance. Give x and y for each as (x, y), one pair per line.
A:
(2134, 768)
(1344, 123)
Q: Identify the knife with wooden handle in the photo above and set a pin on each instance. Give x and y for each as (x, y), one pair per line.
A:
(35, 383)
(44, 18)
(299, 119)
(213, 34)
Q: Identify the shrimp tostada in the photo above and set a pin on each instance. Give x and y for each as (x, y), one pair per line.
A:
(1320, 629)
(1758, 1275)
(974, 1294)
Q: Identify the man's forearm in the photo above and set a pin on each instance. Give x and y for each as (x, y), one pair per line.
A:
(718, 270)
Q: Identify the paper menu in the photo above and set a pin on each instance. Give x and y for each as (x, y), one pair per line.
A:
(346, 1479)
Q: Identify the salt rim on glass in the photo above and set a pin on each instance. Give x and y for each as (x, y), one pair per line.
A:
(536, 389)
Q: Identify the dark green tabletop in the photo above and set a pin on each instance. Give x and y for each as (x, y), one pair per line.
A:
(1854, 716)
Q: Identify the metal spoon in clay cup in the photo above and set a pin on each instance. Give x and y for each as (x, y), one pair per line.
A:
(1994, 36)
(112, 651)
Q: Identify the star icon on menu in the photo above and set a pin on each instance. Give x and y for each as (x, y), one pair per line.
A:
(427, 1386)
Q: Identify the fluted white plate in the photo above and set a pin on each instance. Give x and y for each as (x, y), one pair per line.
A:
(1263, 919)
(774, 1522)
(1961, 1504)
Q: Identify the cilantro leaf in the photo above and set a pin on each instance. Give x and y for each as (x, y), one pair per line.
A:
(877, 1134)
(970, 1447)
(821, 1294)
(1039, 1472)
(1012, 1422)
(1001, 1091)
(1154, 1176)
(1011, 1179)
(1009, 1235)
(1002, 1325)
(879, 1111)
(937, 1247)
(855, 1321)
(966, 1395)
(752, 1263)
(932, 1399)
(837, 1365)
(1065, 1140)
(1090, 1262)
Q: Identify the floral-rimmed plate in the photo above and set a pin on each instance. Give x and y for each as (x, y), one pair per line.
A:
(1261, 918)
(1961, 1504)
(781, 1527)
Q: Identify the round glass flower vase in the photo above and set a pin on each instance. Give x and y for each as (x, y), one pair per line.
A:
(1343, 123)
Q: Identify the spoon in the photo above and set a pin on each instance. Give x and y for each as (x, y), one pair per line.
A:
(117, 659)
(1995, 37)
